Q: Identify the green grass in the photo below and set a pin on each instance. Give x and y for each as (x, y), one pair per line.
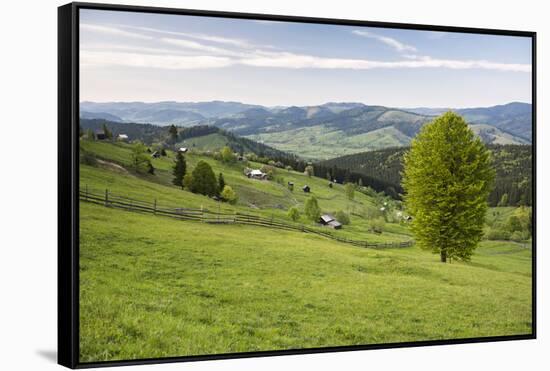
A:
(264, 198)
(321, 142)
(156, 287)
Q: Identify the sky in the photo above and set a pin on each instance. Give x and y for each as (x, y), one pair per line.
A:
(129, 56)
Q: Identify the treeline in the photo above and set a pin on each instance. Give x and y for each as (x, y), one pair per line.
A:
(513, 165)
(146, 133)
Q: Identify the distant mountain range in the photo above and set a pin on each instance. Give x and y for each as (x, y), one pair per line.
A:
(323, 131)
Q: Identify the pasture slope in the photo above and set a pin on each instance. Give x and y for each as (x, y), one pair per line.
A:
(157, 287)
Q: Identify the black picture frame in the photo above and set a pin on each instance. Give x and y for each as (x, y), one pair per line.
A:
(68, 176)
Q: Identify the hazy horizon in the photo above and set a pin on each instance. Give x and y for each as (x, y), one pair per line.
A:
(296, 105)
(132, 56)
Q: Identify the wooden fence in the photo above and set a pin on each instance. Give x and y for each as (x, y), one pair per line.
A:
(108, 199)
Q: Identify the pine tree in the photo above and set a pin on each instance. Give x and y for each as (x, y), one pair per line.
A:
(173, 132)
(221, 182)
(107, 132)
(447, 178)
(179, 170)
(204, 180)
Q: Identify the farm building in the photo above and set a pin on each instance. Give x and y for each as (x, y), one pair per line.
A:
(100, 135)
(183, 150)
(329, 221)
(306, 189)
(122, 137)
(256, 174)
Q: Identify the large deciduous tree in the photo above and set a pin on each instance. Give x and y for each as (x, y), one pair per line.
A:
(312, 209)
(447, 178)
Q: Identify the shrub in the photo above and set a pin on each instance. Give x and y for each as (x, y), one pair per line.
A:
(342, 217)
(227, 155)
(187, 181)
(376, 225)
(87, 158)
(294, 214)
(229, 195)
(519, 236)
(309, 171)
(151, 168)
(498, 234)
(350, 190)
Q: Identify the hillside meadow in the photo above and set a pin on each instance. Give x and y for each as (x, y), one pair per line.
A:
(156, 287)
(152, 286)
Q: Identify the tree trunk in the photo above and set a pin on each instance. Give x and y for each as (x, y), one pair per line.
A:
(443, 256)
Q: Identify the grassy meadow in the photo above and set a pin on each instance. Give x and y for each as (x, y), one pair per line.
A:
(156, 287)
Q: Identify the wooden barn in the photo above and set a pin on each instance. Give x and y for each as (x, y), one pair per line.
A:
(329, 221)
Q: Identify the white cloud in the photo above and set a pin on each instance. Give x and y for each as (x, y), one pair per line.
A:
(395, 44)
(217, 39)
(179, 53)
(171, 62)
(114, 31)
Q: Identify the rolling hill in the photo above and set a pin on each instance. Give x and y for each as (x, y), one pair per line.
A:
(163, 113)
(153, 286)
(323, 131)
(513, 164)
(514, 118)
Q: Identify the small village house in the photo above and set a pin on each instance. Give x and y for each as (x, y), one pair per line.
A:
(100, 135)
(256, 174)
(122, 137)
(183, 150)
(329, 221)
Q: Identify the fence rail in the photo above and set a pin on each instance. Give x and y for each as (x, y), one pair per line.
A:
(108, 199)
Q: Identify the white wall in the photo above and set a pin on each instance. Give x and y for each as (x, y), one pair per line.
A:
(28, 182)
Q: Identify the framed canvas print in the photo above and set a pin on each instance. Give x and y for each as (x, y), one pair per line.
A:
(236, 185)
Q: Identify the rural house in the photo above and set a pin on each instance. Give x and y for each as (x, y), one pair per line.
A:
(100, 135)
(329, 221)
(183, 150)
(256, 174)
(122, 137)
(306, 189)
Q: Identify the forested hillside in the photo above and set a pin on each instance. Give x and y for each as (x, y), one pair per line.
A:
(513, 164)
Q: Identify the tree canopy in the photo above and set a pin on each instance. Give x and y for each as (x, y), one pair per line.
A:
(204, 180)
(447, 178)
(179, 170)
(312, 209)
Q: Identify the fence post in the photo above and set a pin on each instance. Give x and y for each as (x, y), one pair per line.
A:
(106, 197)
(155, 206)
